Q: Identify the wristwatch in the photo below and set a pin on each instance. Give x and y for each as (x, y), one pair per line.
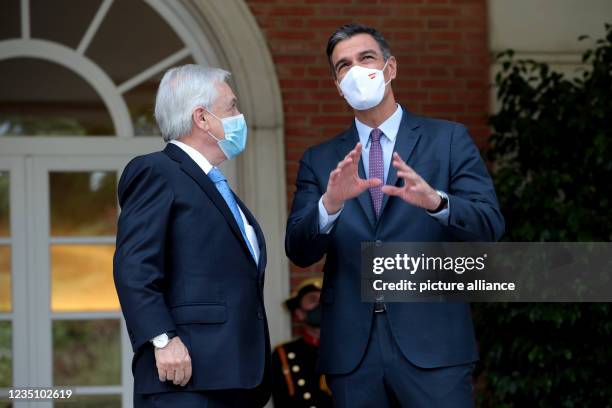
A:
(163, 339)
(443, 204)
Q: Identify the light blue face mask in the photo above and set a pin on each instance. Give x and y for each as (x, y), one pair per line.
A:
(235, 140)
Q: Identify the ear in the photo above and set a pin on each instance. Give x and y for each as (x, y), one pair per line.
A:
(198, 117)
(338, 87)
(392, 68)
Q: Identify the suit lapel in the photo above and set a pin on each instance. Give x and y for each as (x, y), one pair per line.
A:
(195, 172)
(346, 144)
(407, 137)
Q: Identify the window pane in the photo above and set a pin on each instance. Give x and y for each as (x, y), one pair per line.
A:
(58, 103)
(93, 401)
(4, 204)
(83, 203)
(6, 355)
(86, 352)
(141, 103)
(82, 278)
(62, 21)
(5, 278)
(10, 26)
(132, 38)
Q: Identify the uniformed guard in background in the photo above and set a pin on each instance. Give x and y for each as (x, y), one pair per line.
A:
(296, 382)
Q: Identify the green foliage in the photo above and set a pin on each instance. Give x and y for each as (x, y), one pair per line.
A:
(94, 401)
(86, 352)
(6, 355)
(551, 150)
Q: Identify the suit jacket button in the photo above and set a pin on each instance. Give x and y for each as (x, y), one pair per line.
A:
(260, 315)
(461, 223)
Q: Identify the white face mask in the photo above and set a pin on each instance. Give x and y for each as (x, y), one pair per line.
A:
(364, 88)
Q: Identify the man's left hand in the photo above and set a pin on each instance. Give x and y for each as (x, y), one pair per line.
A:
(415, 190)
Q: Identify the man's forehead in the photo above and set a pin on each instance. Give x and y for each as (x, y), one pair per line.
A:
(354, 45)
(225, 92)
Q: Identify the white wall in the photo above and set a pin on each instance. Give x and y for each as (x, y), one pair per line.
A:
(547, 30)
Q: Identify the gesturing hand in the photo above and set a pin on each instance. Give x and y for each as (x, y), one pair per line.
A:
(415, 190)
(173, 362)
(344, 182)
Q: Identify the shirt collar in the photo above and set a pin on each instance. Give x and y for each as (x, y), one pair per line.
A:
(195, 156)
(389, 127)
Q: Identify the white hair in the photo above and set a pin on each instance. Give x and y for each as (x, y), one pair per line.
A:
(181, 90)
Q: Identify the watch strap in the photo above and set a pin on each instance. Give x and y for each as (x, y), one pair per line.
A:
(443, 204)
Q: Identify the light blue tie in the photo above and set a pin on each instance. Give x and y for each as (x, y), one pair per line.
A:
(220, 181)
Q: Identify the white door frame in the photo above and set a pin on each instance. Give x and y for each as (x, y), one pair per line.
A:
(40, 316)
(19, 302)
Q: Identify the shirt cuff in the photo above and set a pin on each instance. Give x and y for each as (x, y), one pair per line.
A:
(326, 221)
(442, 215)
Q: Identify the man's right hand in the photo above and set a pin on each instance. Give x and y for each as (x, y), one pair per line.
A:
(344, 182)
(173, 362)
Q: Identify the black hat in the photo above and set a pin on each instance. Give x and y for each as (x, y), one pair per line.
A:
(306, 286)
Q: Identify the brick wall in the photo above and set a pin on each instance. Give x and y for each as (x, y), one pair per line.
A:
(443, 64)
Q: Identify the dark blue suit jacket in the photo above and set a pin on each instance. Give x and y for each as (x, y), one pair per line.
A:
(182, 264)
(429, 334)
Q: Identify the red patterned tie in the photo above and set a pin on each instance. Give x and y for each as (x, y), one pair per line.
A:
(377, 169)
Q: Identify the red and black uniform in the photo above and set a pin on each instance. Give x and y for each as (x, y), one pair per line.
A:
(296, 383)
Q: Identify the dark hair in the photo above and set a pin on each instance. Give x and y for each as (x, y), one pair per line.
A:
(347, 31)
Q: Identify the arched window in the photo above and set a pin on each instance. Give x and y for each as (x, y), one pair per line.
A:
(80, 68)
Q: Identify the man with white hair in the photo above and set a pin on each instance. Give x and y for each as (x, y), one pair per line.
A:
(190, 259)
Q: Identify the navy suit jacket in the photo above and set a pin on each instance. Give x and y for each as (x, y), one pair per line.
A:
(181, 264)
(429, 334)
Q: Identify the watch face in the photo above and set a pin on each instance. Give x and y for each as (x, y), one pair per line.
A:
(161, 341)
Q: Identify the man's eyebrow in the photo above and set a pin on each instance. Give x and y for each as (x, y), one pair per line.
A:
(361, 54)
(370, 51)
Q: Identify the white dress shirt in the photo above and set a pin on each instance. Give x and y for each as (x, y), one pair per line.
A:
(390, 128)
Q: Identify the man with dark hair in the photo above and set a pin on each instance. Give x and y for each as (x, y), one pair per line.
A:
(391, 177)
